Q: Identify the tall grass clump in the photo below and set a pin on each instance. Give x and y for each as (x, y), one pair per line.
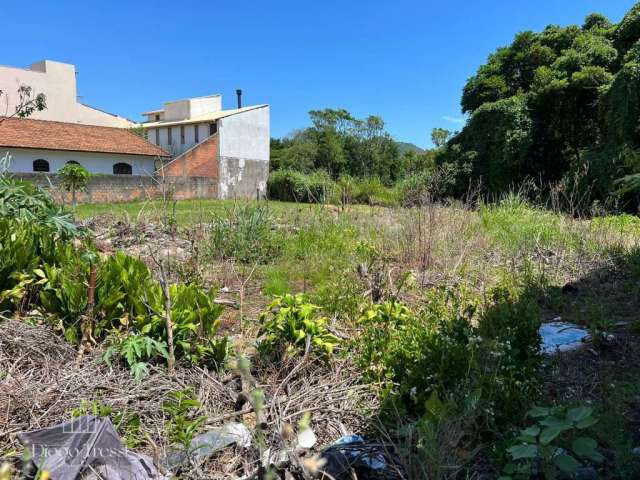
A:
(519, 227)
(294, 186)
(245, 233)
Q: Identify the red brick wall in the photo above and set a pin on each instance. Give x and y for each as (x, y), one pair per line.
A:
(126, 188)
(200, 161)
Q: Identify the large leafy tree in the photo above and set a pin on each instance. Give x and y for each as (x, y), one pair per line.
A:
(340, 144)
(555, 102)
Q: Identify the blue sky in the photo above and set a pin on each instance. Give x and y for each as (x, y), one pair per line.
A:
(406, 61)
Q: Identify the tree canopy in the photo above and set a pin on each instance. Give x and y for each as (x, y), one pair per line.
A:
(341, 144)
(554, 103)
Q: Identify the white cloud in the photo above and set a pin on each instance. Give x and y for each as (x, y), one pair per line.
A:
(447, 118)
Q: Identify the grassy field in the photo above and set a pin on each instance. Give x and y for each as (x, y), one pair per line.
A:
(435, 307)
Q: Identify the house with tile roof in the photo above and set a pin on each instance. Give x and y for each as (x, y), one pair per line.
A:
(194, 141)
(46, 146)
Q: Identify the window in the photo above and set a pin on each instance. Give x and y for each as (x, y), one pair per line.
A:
(195, 133)
(182, 134)
(157, 118)
(40, 165)
(213, 128)
(72, 162)
(122, 169)
(168, 135)
(157, 136)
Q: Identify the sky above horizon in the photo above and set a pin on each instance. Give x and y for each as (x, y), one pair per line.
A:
(405, 61)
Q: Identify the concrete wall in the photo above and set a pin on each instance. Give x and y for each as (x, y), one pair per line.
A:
(245, 135)
(125, 188)
(240, 178)
(58, 82)
(244, 154)
(22, 160)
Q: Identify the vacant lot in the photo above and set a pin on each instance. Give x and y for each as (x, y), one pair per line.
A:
(421, 323)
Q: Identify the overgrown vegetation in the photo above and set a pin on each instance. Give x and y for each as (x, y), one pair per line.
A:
(559, 106)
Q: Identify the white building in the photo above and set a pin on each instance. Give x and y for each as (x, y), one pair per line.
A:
(58, 82)
(199, 142)
(207, 141)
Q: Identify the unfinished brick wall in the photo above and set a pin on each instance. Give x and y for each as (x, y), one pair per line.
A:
(200, 161)
(127, 188)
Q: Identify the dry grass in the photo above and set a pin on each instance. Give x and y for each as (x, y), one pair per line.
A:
(41, 387)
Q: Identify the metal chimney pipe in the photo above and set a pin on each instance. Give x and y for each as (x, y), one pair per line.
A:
(239, 94)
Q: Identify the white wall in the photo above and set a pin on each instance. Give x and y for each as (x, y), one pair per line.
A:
(58, 82)
(244, 153)
(22, 160)
(245, 135)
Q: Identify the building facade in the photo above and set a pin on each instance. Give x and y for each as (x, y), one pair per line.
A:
(203, 150)
(58, 82)
(207, 141)
(40, 146)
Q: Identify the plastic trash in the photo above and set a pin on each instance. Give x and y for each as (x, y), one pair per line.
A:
(353, 455)
(210, 442)
(562, 336)
(86, 447)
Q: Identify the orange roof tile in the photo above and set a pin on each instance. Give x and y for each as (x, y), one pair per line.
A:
(49, 135)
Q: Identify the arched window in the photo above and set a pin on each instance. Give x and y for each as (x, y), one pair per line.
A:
(122, 169)
(72, 162)
(40, 165)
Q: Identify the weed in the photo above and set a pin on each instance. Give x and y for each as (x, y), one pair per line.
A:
(551, 445)
(246, 234)
(181, 407)
(289, 324)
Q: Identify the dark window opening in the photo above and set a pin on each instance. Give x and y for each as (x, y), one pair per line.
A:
(213, 128)
(169, 135)
(157, 136)
(122, 169)
(182, 134)
(157, 118)
(196, 133)
(40, 165)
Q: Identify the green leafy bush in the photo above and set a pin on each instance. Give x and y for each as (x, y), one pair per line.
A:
(551, 445)
(452, 346)
(21, 200)
(413, 355)
(23, 247)
(287, 324)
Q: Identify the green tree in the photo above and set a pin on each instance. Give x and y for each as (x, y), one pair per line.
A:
(74, 178)
(440, 137)
(554, 103)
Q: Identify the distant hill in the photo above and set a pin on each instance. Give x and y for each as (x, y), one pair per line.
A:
(408, 147)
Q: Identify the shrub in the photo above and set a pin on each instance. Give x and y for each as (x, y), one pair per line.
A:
(438, 351)
(414, 355)
(294, 186)
(287, 324)
(21, 200)
(75, 178)
(246, 234)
